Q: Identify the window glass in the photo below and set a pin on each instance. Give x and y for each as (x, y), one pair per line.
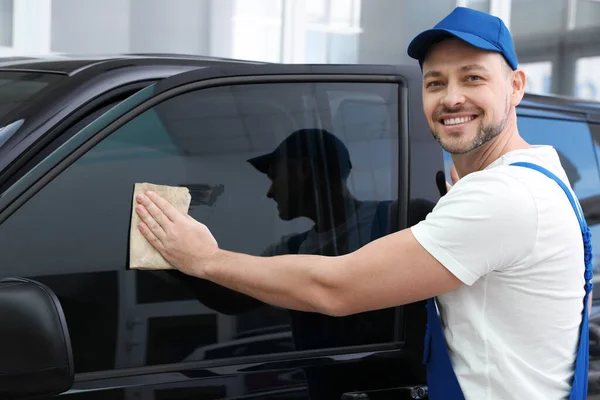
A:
(588, 79)
(272, 169)
(316, 10)
(539, 77)
(18, 87)
(257, 30)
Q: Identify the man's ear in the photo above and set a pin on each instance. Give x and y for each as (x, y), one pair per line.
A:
(518, 81)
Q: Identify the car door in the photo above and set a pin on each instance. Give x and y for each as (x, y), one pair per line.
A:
(163, 335)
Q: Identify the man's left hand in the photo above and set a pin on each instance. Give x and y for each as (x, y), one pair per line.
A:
(185, 243)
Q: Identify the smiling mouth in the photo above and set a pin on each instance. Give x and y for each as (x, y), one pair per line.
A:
(457, 121)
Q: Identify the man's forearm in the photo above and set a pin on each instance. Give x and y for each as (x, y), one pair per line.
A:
(298, 282)
(387, 272)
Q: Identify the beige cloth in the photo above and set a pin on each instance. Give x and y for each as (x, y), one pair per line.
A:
(142, 255)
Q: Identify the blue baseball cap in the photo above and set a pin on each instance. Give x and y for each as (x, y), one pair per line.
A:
(476, 28)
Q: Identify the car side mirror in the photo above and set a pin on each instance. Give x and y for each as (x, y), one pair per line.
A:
(35, 349)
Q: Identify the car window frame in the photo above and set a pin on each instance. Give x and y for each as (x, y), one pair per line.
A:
(79, 143)
(88, 137)
(67, 128)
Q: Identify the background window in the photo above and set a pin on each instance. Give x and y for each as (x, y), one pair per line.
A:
(257, 30)
(330, 30)
(218, 143)
(588, 78)
(539, 77)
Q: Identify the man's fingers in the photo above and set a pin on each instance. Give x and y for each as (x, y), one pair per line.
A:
(167, 208)
(150, 236)
(150, 222)
(155, 210)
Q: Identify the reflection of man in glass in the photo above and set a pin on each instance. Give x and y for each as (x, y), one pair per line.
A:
(308, 173)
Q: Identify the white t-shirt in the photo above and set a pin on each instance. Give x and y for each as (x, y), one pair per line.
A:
(511, 236)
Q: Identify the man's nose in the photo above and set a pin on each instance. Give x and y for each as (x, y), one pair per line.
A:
(453, 97)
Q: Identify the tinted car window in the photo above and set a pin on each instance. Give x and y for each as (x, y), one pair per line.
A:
(265, 165)
(18, 87)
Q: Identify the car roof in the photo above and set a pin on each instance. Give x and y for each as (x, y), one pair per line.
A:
(96, 64)
(73, 64)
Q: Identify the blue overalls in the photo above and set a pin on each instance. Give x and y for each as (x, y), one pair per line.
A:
(442, 381)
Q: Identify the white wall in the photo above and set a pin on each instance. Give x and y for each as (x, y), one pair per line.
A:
(137, 26)
(30, 28)
(6, 22)
(389, 26)
(181, 26)
(87, 27)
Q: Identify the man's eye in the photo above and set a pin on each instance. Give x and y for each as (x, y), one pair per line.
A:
(433, 84)
(473, 78)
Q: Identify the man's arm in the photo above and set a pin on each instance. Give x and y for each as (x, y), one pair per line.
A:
(390, 271)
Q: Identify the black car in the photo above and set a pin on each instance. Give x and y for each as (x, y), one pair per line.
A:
(85, 131)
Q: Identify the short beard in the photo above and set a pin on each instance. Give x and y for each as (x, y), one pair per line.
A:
(484, 134)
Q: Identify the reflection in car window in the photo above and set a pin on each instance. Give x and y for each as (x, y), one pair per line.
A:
(8, 130)
(272, 169)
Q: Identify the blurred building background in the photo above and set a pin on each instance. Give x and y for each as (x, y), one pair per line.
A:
(557, 41)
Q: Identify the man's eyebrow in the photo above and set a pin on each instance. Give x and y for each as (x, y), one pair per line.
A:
(473, 67)
(432, 74)
(465, 68)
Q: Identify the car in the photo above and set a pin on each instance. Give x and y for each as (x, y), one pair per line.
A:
(66, 205)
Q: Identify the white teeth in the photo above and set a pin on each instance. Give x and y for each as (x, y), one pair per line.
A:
(456, 121)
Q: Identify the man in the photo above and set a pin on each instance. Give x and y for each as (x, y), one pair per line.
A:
(502, 251)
